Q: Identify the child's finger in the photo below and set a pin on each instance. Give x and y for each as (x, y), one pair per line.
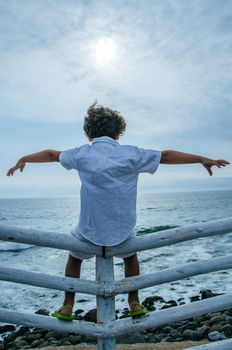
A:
(209, 170)
(9, 172)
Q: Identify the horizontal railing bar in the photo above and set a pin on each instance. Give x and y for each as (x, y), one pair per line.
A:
(122, 326)
(150, 241)
(41, 321)
(172, 274)
(123, 286)
(173, 236)
(44, 280)
(219, 345)
(173, 314)
(46, 239)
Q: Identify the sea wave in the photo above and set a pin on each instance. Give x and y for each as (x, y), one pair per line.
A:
(14, 247)
(145, 230)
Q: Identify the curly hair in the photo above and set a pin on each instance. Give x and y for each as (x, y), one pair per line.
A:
(103, 121)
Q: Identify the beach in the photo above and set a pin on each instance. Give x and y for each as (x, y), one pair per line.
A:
(165, 346)
(206, 328)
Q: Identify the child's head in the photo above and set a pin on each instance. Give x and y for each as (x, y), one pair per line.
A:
(103, 121)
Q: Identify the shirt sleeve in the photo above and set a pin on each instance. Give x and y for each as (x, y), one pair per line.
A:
(148, 161)
(69, 159)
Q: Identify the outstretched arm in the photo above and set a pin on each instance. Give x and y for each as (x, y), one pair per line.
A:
(174, 157)
(40, 157)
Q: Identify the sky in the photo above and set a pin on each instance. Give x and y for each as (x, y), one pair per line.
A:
(165, 65)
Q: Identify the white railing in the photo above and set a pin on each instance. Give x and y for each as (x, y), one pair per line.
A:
(105, 287)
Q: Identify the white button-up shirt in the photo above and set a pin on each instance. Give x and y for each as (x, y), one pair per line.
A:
(109, 174)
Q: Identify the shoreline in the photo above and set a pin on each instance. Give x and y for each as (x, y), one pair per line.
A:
(207, 328)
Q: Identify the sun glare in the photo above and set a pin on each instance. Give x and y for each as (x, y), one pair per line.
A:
(104, 52)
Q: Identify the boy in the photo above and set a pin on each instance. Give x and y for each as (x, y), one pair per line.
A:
(109, 173)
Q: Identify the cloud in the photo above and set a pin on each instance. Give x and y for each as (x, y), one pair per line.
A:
(171, 74)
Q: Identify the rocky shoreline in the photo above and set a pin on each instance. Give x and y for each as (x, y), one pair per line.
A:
(210, 327)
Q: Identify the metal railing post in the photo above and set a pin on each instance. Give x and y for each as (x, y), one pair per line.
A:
(105, 305)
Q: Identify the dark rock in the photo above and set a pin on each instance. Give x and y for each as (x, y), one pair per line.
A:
(205, 322)
(194, 298)
(216, 327)
(11, 337)
(213, 314)
(82, 300)
(55, 295)
(180, 300)
(172, 302)
(189, 334)
(44, 344)
(226, 312)
(216, 319)
(198, 319)
(44, 312)
(75, 339)
(202, 332)
(190, 325)
(23, 330)
(226, 329)
(40, 330)
(20, 343)
(166, 339)
(161, 336)
(91, 316)
(7, 328)
(149, 301)
(79, 311)
(131, 338)
(125, 315)
(55, 335)
(167, 306)
(228, 319)
(66, 342)
(207, 293)
(33, 336)
(90, 339)
(179, 339)
(175, 334)
(35, 343)
(167, 329)
(214, 336)
(177, 324)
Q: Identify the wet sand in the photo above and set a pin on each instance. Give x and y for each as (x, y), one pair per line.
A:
(144, 346)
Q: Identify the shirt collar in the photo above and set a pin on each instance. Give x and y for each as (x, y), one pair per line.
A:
(105, 139)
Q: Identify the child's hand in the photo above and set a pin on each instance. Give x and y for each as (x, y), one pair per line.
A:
(19, 165)
(208, 163)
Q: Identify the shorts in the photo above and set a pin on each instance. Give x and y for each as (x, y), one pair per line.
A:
(83, 256)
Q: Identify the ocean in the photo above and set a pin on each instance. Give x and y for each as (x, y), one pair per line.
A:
(155, 211)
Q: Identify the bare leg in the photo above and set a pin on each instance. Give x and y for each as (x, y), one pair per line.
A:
(132, 269)
(73, 269)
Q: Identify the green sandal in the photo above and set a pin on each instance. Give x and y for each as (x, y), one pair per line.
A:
(61, 316)
(138, 313)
